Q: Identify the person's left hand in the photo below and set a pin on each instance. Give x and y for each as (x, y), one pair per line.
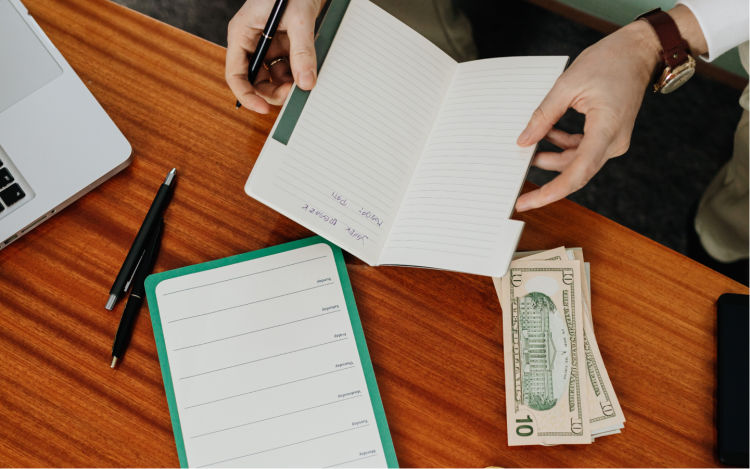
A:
(606, 83)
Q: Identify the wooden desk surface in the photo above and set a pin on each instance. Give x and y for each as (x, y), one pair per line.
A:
(434, 337)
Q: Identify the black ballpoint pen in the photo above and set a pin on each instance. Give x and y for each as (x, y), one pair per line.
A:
(122, 281)
(256, 61)
(135, 300)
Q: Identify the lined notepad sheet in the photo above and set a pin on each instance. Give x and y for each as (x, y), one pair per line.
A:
(401, 155)
(264, 365)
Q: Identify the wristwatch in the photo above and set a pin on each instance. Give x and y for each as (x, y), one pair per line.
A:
(678, 65)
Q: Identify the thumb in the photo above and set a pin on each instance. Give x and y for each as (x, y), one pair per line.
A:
(302, 46)
(550, 111)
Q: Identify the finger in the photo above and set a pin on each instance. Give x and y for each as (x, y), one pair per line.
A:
(550, 111)
(553, 161)
(280, 72)
(274, 93)
(279, 46)
(589, 158)
(301, 25)
(563, 139)
(236, 73)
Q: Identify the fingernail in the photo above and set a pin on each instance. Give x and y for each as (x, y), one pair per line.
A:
(521, 205)
(306, 79)
(522, 139)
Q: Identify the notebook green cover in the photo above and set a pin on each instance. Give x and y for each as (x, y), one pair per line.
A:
(153, 280)
(298, 99)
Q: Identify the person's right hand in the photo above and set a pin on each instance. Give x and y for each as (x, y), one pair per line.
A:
(605, 83)
(294, 39)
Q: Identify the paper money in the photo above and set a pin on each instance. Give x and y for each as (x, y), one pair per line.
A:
(544, 353)
(604, 408)
(522, 295)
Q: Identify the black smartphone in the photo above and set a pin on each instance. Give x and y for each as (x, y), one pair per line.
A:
(732, 417)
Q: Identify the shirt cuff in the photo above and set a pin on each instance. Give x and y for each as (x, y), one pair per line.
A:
(723, 22)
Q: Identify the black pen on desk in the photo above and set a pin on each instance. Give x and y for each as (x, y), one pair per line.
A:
(256, 61)
(135, 300)
(124, 277)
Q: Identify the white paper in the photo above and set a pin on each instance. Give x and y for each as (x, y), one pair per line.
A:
(456, 212)
(265, 366)
(353, 151)
(403, 156)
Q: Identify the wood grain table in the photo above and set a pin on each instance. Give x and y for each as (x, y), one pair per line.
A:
(434, 337)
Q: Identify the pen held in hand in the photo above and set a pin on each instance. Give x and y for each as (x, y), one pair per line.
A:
(256, 61)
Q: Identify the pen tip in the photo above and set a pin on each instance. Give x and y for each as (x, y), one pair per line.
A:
(114, 362)
(237, 105)
(170, 175)
(111, 302)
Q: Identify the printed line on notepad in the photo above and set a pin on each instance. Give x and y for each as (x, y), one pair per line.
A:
(243, 276)
(267, 387)
(203, 373)
(441, 235)
(332, 208)
(405, 241)
(283, 446)
(394, 168)
(382, 200)
(456, 222)
(378, 202)
(440, 251)
(255, 330)
(402, 227)
(275, 417)
(250, 303)
(351, 461)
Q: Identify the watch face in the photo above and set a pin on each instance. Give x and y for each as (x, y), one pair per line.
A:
(677, 77)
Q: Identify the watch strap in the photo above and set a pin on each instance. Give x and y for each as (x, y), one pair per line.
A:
(675, 49)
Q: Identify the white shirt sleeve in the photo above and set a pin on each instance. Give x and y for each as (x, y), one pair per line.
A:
(724, 23)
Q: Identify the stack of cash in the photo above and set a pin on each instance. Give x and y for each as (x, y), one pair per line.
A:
(557, 390)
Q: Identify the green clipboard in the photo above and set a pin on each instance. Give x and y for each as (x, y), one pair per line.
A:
(372, 386)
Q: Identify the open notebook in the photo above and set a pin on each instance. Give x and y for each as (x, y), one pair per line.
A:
(265, 363)
(401, 155)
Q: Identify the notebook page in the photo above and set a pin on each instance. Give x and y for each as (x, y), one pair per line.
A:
(456, 210)
(265, 366)
(360, 134)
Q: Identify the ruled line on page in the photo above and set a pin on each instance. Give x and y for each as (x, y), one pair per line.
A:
(234, 336)
(274, 386)
(336, 176)
(244, 374)
(363, 132)
(284, 446)
(351, 461)
(274, 417)
(250, 303)
(244, 276)
(472, 169)
(268, 357)
(449, 222)
(462, 229)
(339, 186)
(339, 213)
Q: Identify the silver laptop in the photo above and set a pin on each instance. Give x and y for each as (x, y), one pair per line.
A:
(56, 142)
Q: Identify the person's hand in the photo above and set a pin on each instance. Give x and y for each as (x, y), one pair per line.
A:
(294, 39)
(606, 83)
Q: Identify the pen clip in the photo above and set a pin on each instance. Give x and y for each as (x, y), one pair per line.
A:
(152, 239)
(132, 275)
